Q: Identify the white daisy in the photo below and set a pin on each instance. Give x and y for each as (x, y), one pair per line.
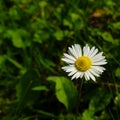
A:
(84, 63)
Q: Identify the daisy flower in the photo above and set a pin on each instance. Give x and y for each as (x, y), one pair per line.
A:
(84, 62)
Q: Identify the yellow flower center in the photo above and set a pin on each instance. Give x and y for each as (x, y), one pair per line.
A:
(83, 63)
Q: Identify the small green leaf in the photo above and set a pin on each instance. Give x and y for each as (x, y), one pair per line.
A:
(40, 36)
(117, 72)
(115, 26)
(16, 38)
(14, 62)
(50, 115)
(75, 16)
(108, 37)
(2, 59)
(68, 116)
(67, 23)
(42, 4)
(89, 115)
(40, 88)
(59, 35)
(66, 92)
(117, 100)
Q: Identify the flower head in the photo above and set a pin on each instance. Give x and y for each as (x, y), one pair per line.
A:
(84, 62)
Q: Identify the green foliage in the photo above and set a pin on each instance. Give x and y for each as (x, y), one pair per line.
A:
(34, 34)
(117, 72)
(39, 88)
(65, 91)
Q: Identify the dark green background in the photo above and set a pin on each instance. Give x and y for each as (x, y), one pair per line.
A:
(34, 34)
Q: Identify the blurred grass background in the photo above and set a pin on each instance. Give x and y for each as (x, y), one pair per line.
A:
(34, 34)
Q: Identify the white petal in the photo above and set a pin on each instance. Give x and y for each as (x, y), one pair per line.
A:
(71, 69)
(86, 50)
(99, 55)
(86, 76)
(75, 75)
(67, 60)
(91, 76)
(100, 63)
(92, 71)
(93, 53)
(97, 72)
(82, 74)
(72, 73)
(98, 59)
(98, 69)
(68, 67)
(69, 57)
(78, 50)
(78, 75)
(71, 50)
(75, 52)
(64, 68)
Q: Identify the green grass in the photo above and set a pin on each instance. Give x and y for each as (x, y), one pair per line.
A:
(34, 34)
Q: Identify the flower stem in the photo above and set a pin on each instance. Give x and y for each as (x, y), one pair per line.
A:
(79, 87)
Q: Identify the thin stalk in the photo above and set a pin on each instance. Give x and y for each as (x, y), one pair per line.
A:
(79, 87)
